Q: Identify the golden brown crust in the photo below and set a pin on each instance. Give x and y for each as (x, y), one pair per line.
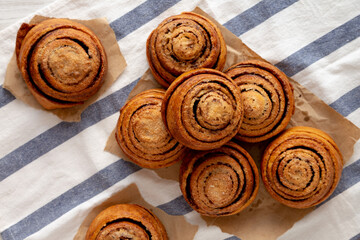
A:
(126, 221)
(141, 133)
(62, 62)
(219, 182)
(268, 99)
(301, 167)
(182, 43)
(202, 109)
(23, 30)
(122, 230)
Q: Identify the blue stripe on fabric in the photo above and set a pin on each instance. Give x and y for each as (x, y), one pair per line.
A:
(70, 129)
(349, 177)
(110, 176)
(348, 103)
(131, 20)
(62, 132)
(5, 96)
(79, 194)
(357, 237)
(256, 15)
(321, 47)
(121, 26)
(232, 238)
(176, 207)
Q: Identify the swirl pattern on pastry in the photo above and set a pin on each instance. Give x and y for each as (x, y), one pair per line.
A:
(301, 167)
(182, 43)
(141, 133)
(268, 99)
(219, 182)
(126, 221)
(62, 62)
(202, 109)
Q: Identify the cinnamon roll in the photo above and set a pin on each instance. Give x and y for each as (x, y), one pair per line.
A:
(182, 43)
(141, 133)
(268, 99)
(62, 62)
(202, 109)
(219, 182)
(301, 167)
(126, 221)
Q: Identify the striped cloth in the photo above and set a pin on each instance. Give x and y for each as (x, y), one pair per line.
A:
(53, 172)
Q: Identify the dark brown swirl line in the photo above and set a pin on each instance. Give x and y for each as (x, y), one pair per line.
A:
(301, 167)
(126, 221)
(182, 43)
(202, 109)
(141, 133)
(219, 182)
(62, 62)
(268, 99)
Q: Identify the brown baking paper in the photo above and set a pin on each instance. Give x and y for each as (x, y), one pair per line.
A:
(131, 194)
(265, 218)
(116, 65)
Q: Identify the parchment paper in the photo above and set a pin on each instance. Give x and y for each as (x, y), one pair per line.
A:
(116, 65)
(131, 194)
(265, 218)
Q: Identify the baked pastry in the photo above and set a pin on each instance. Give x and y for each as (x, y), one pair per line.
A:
(62, 62)
(126, 221)
(301, 167)
(268, 99)
(182, 43)
(219, 182)
(202, 109)
(141, 133)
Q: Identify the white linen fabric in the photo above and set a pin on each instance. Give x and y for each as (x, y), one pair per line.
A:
(52, 173)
